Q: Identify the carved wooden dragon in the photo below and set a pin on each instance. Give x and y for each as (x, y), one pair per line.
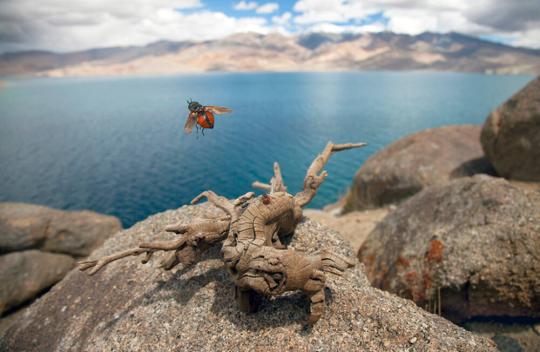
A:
(252, 237)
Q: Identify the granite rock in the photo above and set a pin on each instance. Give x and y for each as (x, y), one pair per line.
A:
(129, 306)
(426, 158)
(25, 274)
(511, 135)
(472, 246)
(77, 233)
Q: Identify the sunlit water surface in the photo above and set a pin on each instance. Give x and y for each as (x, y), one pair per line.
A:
(116, 145)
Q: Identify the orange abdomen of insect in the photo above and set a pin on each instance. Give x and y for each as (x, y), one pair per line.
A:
(205, 119)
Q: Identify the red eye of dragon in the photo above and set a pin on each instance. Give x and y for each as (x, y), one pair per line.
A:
(266, 199)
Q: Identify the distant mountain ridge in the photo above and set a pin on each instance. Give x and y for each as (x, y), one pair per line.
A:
(275, 52)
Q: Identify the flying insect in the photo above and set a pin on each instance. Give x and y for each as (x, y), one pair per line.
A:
(202, 115)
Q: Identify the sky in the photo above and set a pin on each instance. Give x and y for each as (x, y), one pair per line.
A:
(69, 25)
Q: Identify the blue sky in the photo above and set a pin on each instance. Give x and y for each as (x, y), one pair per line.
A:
(66, 25)
(248, 9)
(227, 7)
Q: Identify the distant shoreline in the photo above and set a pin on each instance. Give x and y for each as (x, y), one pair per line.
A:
(250, 52)
(5, 80)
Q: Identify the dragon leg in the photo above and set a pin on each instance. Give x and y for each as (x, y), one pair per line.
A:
(270, 272)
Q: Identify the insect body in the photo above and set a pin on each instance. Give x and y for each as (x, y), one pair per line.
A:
(203, 116)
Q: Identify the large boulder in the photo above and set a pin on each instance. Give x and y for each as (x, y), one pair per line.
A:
(25, 226)
(472, 246)
(25, 274)
(511, 135)
(426, 158)
(129, 306)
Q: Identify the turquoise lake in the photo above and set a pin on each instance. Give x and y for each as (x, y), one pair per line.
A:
(116, 145)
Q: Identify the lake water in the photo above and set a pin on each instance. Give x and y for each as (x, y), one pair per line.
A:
(116, 145)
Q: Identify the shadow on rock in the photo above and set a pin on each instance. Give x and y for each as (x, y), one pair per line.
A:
(473, 167)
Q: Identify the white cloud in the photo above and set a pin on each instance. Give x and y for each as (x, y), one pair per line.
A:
(415, 21)
(333, 28)
(79, 24)
(517, 21)
(267, 8)
(245, 5)
(316, 11)
(282, 20)
(529, 38)
(64, 25)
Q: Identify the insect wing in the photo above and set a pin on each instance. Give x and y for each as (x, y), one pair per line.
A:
(217, 109)
(190, 122)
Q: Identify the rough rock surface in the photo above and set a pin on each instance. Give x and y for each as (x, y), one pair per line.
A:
(477, 239)
(511, 135)
(426, 158)
(25, 274)
(134, 307)
(25, 226)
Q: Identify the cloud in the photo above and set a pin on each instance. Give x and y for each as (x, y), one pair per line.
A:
(317, 11)
(417, 21)
(65, 25)
(503, 15)
(528, 38)
(268, 8)
(518, 22)
(245, 5)
(282, 20)
(333, 28)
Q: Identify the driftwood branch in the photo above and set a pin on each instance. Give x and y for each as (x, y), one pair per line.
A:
(315, 175)
(97, 264)
(219, 201)
(276, 182)
(251, 236)
(243, 199)
(264, 186)
(196, 238)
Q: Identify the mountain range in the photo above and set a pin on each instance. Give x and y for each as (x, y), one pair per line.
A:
(276, 52)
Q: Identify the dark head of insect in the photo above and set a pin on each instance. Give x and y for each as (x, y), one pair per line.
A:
(194, 106)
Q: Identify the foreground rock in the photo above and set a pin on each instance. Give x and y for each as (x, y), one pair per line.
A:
(476, 239)
(354, 226)
(134, 307)
(25, 274)
(511, 135)
(426, 158)
(26, 226)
